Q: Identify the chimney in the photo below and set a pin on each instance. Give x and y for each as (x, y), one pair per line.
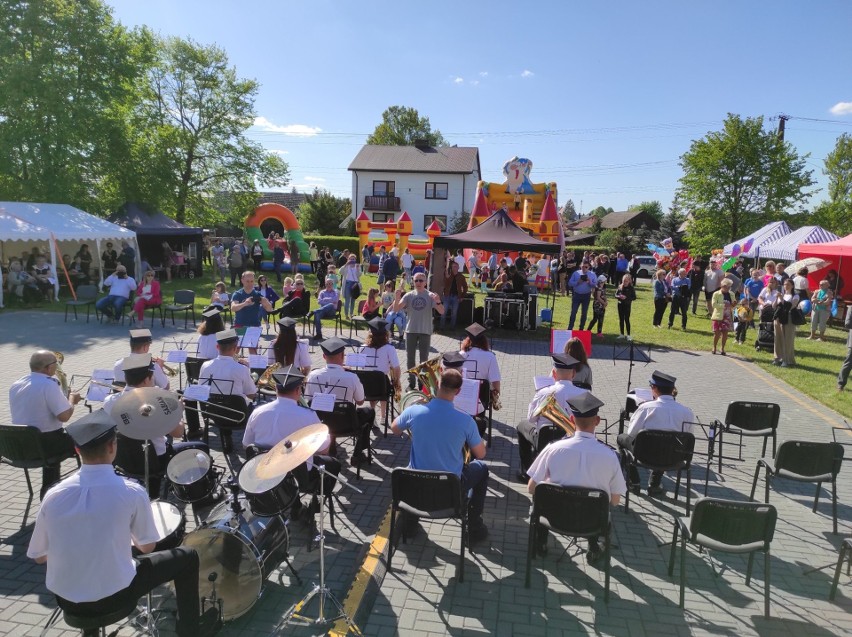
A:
(422, 144)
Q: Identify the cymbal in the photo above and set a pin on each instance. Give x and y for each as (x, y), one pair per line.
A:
(146, 412)
(264, 472)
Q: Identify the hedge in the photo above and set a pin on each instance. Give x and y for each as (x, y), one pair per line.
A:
(338, 243)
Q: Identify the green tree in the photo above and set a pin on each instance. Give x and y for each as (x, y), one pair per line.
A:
(198, 112)
(402, 126)
(653, 208)
(737, 179)
(835, 214)
(569, 212)
(600, 212)
(69, 76)
(617, 240)
(669, 225)
(458, 222)
(322, 213)
(596, 226)
(641, 240)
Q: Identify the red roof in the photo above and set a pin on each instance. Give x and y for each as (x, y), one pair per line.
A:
(480, 206)
(548, 213)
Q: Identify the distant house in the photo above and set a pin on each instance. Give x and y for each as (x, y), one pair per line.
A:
(291, 200)
(429, 183)
(633, 219)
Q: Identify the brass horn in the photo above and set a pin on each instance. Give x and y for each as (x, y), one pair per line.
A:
(428, 374)
(553, 411)
(266, 381)
(61, 376)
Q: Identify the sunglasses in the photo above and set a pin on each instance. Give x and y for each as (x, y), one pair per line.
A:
(420, 280)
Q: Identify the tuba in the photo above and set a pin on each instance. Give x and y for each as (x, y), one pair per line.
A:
(428, 373)
(60, 375)
(552, 411)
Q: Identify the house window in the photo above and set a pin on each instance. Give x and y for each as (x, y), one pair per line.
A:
(436, 190)
(382, 217)
(441, 219)
(384, 188)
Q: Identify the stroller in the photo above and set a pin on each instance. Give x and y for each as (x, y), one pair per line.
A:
(766, 330)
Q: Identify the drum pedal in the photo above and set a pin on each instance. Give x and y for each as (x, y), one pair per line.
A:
(216, 602)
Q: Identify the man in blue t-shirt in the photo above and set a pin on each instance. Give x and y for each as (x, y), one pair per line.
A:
(247, 303)
(438, 433)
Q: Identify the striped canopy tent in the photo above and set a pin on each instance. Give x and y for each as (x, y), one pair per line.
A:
(786, 248)
(767, 234)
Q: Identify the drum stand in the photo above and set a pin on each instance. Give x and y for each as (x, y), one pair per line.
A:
(324, 594)
(148, 617)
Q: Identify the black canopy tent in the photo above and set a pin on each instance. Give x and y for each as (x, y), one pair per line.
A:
(152, 228)
(498, 233)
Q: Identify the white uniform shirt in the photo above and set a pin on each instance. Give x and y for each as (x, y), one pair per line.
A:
(85, 527)
(160, 378)
(120, 287)
(207, 347)
(37, 400)
(271, 423)
(225, 368)
(333, 379)
(481, 365)
(664, 414)
(564, 389)
(301, 359)
(580, 461)
(383, 359)
(158, 442)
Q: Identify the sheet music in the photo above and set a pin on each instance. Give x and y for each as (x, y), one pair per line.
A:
(251, 338)
(543, 381)
(323, 402)
(257, 361)
(356, 360)
(97, 393)
(197, 392)
(643, 395)
(467, 400)
(177, 356)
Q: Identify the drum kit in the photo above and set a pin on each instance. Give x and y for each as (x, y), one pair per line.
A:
(245, 537)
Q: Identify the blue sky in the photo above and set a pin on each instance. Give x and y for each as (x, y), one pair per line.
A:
(603, 97)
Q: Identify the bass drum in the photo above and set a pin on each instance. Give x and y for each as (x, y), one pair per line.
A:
(242, 549)
(412, 397)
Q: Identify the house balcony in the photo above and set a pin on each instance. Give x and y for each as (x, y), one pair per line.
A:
(372, 202)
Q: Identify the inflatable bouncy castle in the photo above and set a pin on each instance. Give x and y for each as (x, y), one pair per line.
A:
(385, 234)
(273, 217)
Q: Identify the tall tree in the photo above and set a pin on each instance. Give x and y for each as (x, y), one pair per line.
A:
(835, 214)
(69, 75)
(600, 212)
(402, 126)
(569, 212)
(322, 213)
(653, 208)
(200, 111)
(737, 179)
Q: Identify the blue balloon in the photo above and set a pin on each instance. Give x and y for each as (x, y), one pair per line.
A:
(805, 306)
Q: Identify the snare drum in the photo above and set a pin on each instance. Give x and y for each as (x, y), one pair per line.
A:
(191, 475)
(242, 550)
(267, 497)
(171, 525)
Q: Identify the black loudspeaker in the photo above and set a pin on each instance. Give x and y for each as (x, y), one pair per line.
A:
(533, 310)
(465, 311)
(479, 315)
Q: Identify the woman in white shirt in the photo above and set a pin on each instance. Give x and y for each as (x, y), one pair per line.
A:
(480, 362)
(381, 355)
(785, 329)
(770, 294)
(287, 349)
(211, 324)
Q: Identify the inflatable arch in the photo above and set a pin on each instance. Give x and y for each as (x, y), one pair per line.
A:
(272, 216)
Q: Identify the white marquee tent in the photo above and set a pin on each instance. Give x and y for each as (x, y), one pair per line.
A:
(786, 248)
(58, 227)
(767, 234)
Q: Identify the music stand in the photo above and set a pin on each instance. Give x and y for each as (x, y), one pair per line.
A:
(177, 344)
(634, 353)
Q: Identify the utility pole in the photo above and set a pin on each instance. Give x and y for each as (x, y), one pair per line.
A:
(782, 120)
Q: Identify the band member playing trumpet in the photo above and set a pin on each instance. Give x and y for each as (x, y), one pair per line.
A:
(86, 527)
(381, 355)
(140, 343)
(562, 387)
(438, 433)
(37, 400)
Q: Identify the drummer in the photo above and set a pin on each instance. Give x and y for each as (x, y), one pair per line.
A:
(86, 527)
(140, 343)
(381, 355)
(273, 422)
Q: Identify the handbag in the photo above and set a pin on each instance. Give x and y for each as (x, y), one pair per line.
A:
(355, 291)
(797, 317)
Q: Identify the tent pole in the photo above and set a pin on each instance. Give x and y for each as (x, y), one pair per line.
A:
(53, 250)
(100, 266)
(65, 270)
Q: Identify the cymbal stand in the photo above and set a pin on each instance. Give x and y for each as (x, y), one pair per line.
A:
(324, 594)
(148, 618)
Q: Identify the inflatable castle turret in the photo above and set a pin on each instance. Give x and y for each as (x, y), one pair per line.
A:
(434, 230)
(405, 227)
(362, 228)
(550, 229)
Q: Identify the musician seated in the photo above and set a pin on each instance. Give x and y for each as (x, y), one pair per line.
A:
(381, 356)
(140, 343)
(438, 434)
(227, 376)
(37, 400)
(85, 530)
(661, 413)
(562, 388)
(346, 387)
(479, 361)
(273, 422)
(288, 349)
(580, 461)
(139, 370)
(211, 324)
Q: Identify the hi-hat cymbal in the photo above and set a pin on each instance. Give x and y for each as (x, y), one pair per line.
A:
(146, 412)
(264, 472)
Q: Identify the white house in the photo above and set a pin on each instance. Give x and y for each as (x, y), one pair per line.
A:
(430, 183)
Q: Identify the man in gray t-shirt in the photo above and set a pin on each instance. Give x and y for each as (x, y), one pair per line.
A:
(418, 305)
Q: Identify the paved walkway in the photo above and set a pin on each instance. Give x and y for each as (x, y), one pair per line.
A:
(422, 597)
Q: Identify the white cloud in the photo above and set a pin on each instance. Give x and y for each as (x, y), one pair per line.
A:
(294, 130)
(527, 73)
(316, 179)
(483, 74)
(458, 80)
(474, 82)
(842, 108)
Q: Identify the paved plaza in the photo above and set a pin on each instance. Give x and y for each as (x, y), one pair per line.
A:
(422, 596)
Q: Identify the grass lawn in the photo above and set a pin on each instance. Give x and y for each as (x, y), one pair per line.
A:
(814, 375)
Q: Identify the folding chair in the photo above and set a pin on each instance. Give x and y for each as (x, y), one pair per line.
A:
(434, 495)
(184, 301)
(729, 527)
(659, 450)
(358, 320)
(21, 447)
(576, 512)
(748, 418)
(378, 388)
(86, 297)
(343, 421)
(804, 461)
(845, 555)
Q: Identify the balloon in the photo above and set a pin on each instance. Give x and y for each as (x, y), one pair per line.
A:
(735, 251)
(662, 251)
(805, 306)
(668, 244)
(748, 245)
(652, 247)
(727, 265)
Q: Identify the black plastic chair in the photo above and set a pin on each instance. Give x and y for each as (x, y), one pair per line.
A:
(193, 369)
(729, 527)
(804, 461)
(130, 460)
(377, 388)
(845, 554)
(576, 512)
(660, 450)
(753, 419)
(86, 297)
(226, 420)
(184, 301)
(342, 422)
(435, 495)
(21, 447)
(88, 623)
(487, 408)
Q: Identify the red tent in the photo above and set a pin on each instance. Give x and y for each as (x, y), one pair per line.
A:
(839, 255)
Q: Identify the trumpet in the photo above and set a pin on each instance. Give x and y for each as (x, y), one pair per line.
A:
(553, 411)
(168, 371)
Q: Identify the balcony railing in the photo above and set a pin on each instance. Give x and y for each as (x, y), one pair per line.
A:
(381, 203)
